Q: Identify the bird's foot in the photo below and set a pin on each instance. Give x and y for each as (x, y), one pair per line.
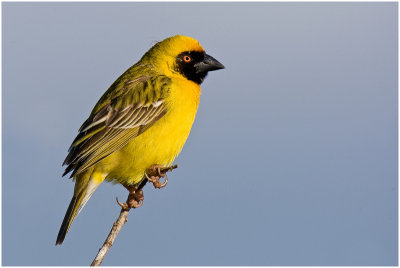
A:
(135, 199)
(156, 172)
(153, 174)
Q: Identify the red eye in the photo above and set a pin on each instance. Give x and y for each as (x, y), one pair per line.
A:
(187, 58)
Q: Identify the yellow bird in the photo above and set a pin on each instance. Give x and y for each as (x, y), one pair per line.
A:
(142, 121)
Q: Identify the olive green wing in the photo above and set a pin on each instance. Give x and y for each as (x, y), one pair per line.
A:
(122, 116)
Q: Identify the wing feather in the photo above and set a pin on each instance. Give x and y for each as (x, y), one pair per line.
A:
(112, 125)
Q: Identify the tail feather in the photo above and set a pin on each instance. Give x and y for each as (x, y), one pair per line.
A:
(84, 188)
(68, 218)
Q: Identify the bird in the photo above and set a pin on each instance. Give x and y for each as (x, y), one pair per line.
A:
(139, 125)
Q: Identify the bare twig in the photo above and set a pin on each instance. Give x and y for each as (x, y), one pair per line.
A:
(122, 219)
(123, 216)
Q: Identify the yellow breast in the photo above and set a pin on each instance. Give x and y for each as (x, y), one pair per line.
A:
(161, 143)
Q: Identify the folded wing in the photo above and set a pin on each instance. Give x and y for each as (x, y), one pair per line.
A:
(121, 115)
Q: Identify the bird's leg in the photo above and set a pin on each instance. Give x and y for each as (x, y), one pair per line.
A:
(156, 172)
(135, 198)
(153, 174)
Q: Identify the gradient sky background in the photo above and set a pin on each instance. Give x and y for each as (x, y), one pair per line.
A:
(292, 159)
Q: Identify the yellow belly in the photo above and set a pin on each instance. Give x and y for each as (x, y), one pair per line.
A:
(161, 143)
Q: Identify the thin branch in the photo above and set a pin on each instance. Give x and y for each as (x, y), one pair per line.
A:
(122, 219)
(123, 216)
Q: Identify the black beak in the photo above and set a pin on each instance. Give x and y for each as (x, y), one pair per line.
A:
(208, 64)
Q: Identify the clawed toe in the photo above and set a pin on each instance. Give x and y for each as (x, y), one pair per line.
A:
(156, 172)
(135, 200)
(161, 173)
(156, 180)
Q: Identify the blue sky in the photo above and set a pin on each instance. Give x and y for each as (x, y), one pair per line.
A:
(292, 159)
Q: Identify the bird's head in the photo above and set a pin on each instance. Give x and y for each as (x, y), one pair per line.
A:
(182, 56)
